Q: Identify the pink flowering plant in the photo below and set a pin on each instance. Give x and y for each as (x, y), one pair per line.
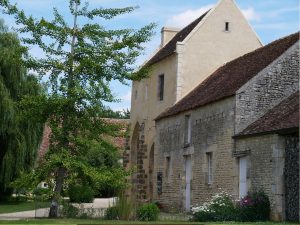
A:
(254, 207)
(222, 207)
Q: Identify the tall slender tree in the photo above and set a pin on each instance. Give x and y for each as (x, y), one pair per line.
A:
(80, 60)
(19, 137)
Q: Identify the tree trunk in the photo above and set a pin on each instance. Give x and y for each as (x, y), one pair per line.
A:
(57, 191)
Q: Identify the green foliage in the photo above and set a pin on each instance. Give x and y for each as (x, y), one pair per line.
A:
(254, 207)
(124, 209)
(148, 212)
(80, 60)
(42, 194)
(108, 113)
(81, 193)
(111, 213)
(69, 211)
(19, 136)
(220, 208)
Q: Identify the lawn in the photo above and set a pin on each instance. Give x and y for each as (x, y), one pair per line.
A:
(77, 221)
(8, 207)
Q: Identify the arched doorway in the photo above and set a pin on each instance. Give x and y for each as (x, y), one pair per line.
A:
(151, 171)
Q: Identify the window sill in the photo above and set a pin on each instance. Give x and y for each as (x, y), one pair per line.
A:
(187, 145)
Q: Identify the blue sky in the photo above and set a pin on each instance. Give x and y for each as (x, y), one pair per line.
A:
(271, 19)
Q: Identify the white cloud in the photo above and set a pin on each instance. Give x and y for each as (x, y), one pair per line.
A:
(251, 14)
(187, 17)
(272, 26)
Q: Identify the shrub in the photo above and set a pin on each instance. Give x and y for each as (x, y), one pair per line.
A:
(81, 194)
(69, 211)
(123, 210)
(42, 194)
(148, 212)
(111, 213)
(254, 207)
(220, 208)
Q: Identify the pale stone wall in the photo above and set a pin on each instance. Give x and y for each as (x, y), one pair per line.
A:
(267, 89)
(274, 169)
(209, 46)
(266, 164)
(205, 50)
(145, 106)
(212, 131)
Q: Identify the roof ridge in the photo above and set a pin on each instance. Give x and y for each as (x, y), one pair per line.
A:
(227, 79)
(170, 47)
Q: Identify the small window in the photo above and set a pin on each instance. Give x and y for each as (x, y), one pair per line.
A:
(226, 26)
(188, 130)
(168, 167)
(161, 83)
(135, 94)
(159, 183)
(209, 167)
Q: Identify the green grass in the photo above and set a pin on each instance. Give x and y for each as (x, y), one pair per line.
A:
(9, 207)
(78, 221)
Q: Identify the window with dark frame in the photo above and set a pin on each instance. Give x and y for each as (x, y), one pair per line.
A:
(188, 130)
(168, 167)
(161, 84)
(226, 26)
(209, 156)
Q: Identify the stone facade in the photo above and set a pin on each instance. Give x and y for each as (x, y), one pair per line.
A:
(272, 159)
(265, 168)
(212, 131)
(291, 174)
(268, 88)
(191, 61)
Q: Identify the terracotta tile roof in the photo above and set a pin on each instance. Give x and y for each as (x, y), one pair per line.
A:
(226, 80)
(282, 117)
(170, 47)
(118, 142)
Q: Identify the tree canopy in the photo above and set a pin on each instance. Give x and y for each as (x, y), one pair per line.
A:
(80, 61)
(19, 136)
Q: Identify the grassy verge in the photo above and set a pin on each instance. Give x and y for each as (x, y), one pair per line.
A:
(77, 221)
(9, 207)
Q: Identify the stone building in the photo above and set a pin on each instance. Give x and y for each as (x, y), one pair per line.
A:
(185, 58)
(237, 131)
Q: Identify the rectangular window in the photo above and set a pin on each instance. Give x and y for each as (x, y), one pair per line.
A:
(168, 167)
(161, 84)
(209, 167)
(226, 26)
(188, 130)
(159, 179)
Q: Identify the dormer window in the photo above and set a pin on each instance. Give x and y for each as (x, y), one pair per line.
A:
(226, 26)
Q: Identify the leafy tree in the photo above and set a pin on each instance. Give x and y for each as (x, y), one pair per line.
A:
(19, 137)
(125, 114)
(80, 60)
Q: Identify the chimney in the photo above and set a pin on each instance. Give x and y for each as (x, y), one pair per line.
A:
(167, 33)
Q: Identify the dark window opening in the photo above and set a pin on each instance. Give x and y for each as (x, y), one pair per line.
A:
(209, 167)
(159, 183)
(187, 130)
(161, 83)
(226, 26)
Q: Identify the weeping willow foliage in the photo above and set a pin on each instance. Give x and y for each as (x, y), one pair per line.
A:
(19, 136)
